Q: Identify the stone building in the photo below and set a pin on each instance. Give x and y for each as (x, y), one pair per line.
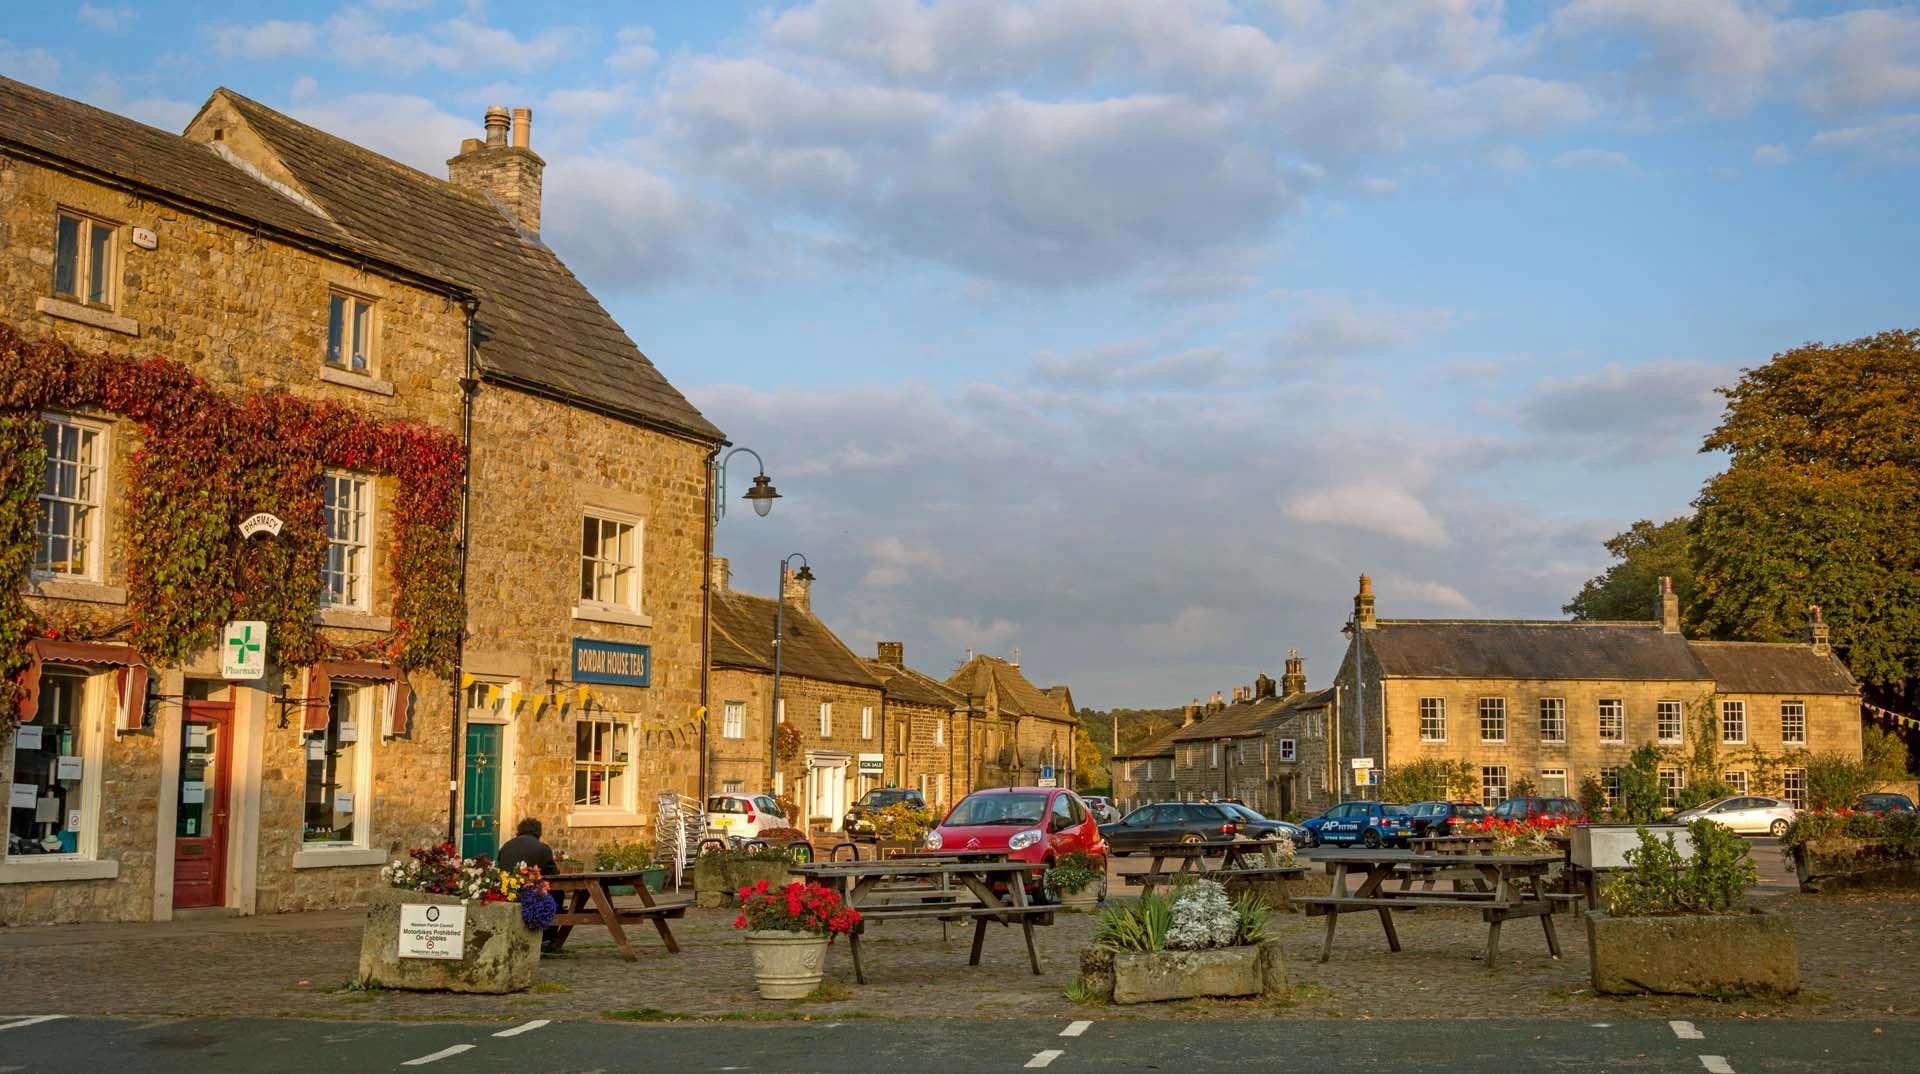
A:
(261, 255)
(1144, 774)
(1268, 748)
(1554, 703)
(828, 696)
(928, 732)
(1018, 733)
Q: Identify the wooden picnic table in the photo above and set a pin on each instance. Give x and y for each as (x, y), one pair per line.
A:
(1516, 882)
(591, 889)
(1455, 844)
(875, 887)
(1241, 858)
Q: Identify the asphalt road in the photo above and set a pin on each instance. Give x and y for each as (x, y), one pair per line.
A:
(1466, 1046)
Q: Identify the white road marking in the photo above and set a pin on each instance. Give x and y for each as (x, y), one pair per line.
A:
(1041, 1059)
(1716, 1064)
(525, 1028)
(443, 1053)
(1685, 1031)
(1074, 1029)
(33, 1021)
(1601, 1025)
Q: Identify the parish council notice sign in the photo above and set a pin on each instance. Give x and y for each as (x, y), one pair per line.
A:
(432, 931)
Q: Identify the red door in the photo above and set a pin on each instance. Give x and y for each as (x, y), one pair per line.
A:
(200, 827)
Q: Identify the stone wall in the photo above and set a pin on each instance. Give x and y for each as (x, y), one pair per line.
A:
(937, 753)
(803, 698)
(743, 759)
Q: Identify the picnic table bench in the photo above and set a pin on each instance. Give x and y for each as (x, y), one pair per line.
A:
(921, 886)
(1241, 859)
(575, 892)
(1517, 890)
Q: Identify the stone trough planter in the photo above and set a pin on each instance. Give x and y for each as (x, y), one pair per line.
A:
(500, 953)
(1128, 977)
(716, 880)
(1830, 865)
(1693, 954)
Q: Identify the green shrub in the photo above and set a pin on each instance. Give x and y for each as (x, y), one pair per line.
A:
(1592, 797)
(1253, 920)
(1640, 800)
(1836, 781)
(1658, 880)
(1902, 828)
(616, 856)
(1141, 926)
(1429, 780)
(1071, 874)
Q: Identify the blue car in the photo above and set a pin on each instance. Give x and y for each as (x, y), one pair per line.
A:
(1369, 824)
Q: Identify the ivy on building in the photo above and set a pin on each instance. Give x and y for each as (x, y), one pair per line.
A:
(204, 461)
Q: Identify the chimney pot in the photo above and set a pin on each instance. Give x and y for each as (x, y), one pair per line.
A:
(893, 652)
(1669, 609)
(522, 127)
(1363, 605)
(720, 574)
(497, 123)
(470, 145)
(1817, 634)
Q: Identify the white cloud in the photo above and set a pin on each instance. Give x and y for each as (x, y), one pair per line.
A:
(622, 226)
(1323, 325)
(408, 128)
(1426, 596)
(35, 65)
(1593, 160)
(267, 40)
(304, 88)
(1772, 155)
(360, 39)
(1641, 411)
(633, 49)
(1897, 136)
(106, 19)
(1377, 508)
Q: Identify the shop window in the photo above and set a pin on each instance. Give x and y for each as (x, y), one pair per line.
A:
(47, 803)
(337, 764)
(602, 762)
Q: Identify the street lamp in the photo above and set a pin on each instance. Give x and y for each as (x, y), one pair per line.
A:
(779, 630)
(761, 495)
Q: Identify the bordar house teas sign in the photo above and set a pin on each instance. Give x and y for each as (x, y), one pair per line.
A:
(432, 931)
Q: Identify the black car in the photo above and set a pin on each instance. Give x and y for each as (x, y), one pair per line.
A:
(1881, 804)
(1446, 818)
(1171, 822)
(1255, 826)
(859, 820)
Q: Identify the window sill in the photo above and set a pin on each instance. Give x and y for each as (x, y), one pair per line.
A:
(337, 857)
(352, 620)
(361, 381)
(604, 820)
(14, 871)
(74, 311)
(593, 614)
(74, 589)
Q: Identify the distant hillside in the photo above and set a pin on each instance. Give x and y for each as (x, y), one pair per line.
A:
(1136, 726)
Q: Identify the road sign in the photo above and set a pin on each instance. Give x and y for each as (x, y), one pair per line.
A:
(243, 649)
(1373, 777)
(1361, 764)
(1046, 772)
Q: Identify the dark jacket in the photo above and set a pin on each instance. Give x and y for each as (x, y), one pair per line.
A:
(526, 850)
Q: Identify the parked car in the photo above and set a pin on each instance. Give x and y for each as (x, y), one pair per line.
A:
(1101, 807)
(744, 816)
(1032, 824)
(1529, 807)
(1370, 824)
(1446, 818)
(1884, 803)
(1743, 813)
(1171, 822)
(859, 818)
(1255, 826)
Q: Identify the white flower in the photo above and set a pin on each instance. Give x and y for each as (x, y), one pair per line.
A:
(1202, 917)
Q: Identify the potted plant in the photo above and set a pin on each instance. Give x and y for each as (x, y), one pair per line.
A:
(718, 875)
(1841, 849)
(619, 857)
(1077, 881)
(1679, 925)
(788, 930)
(1191, 944)
(504, 911)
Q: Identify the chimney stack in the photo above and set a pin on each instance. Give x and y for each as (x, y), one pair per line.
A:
(1294, 681)
(1262, 687)
(1191, 713)
(503, 167)
(797, 588)
(1363, 605)
(1817, 631)
(893, 652)
(1669, 607)
(719, 574)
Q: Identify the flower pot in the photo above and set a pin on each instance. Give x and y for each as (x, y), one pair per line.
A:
(1693, 954)
(655, 878)
(1086, 900)
(569, 868)
(787, 965)
(1155, 976)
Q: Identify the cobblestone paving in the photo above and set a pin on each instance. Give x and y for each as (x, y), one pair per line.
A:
(1856, 956)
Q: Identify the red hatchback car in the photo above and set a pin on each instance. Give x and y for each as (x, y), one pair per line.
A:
(1033, 824)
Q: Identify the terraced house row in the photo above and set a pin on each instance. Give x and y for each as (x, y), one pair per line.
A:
(343, 518)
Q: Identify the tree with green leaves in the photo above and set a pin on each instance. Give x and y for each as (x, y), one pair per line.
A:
(1640, 800)
(1429, 780)
(1628, 590)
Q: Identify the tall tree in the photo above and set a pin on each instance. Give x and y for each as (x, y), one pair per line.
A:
(1646, 553)
(1820, 504)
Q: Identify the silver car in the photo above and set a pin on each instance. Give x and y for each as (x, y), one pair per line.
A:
(1101, 807)
(1748, 813)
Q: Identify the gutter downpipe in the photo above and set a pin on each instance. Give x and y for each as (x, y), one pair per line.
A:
(706, 624)
(469, 387)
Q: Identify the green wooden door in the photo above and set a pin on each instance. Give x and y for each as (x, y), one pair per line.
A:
(480, 826)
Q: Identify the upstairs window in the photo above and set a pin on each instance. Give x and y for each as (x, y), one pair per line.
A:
(734, 722)
(826, 719)
(350, 327)
(1613, 721)
(866, 722)
(1672, 720)
(349, 513)
(610, 562)
(83, 260)
(1793, 723)
(1493, 719)
(1733, 723)
(1553, 719)
(1433, 719)
(67, 530)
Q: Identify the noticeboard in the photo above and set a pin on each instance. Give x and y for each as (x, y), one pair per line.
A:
(432, 931)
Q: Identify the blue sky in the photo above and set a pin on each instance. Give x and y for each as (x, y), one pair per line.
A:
(1130, 332)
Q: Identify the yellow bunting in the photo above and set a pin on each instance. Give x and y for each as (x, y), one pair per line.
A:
(466, 681)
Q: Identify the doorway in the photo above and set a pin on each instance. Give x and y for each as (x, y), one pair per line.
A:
(480, 804)
(200, 821)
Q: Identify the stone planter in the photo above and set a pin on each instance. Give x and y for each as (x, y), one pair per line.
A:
(1128, 977)
(1275, 892)
(1086, 900)
(1693, 954)
(716, 880)
(1830, 865)
(500, 952)
(1605, 846)
(787, 965)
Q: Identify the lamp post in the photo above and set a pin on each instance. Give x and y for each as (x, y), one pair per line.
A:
(761, 495)
(779, 630)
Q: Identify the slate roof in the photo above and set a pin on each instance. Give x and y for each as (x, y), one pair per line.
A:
(1752, 667)
(909, 687)
(539, 327)
(743, 627)
(185, 172)
(1018, 696)
(1496, 649)
(1160, 745)
(1248, 719)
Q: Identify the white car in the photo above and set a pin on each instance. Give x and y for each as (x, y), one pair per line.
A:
(744, 816)
(1748, 813)
(1101, 807)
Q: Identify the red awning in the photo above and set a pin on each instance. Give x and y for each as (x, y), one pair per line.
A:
(131, 683)
(319, 692)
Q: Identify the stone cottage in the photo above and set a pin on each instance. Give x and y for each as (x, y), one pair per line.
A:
(1267, 748)
(927, 733)
(1020, 731)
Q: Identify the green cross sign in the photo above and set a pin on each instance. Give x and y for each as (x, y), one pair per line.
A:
(243, 645)
(243, 650)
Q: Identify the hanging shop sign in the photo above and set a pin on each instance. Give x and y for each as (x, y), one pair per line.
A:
(872, 763)
(243, 649)
(259, 523)
(611, 663)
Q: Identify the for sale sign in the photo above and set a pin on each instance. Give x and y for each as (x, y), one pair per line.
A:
(432, 931)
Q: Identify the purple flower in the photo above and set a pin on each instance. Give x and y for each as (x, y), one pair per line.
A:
(537, 907)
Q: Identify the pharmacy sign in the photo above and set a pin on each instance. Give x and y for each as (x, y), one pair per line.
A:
(243, 650)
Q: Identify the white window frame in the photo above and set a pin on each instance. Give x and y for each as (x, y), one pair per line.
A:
(780, 711)
(614, 721)
(1433, 719)
(1553, 720)
(1676, 712)
(1795, 711)
(1793, 787)
(732, 786)
(97, 699)
(1611, 710)
(1610, 783)
(636, 603)
(1733, 723)
(1670, 788)
(1553, 773)
(866, 723)
(358, 587)
(826, 719)
(939, 732)
(364, 714)
(1737, 779)
(1497, 707)
(1493, 784)
(733, 720)
(86, 433)
(351, 329)
(84, 262)
(1289, 750)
